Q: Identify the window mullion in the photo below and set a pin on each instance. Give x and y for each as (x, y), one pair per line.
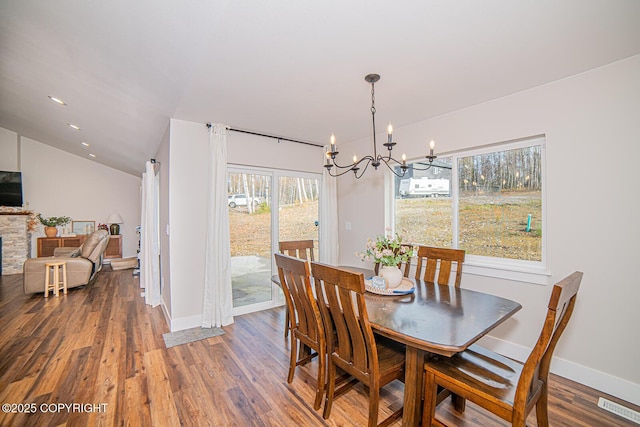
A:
(455, 201)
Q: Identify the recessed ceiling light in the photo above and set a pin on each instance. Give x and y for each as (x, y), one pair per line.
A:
(72, 126)
(85, 144)
(92, 155)
(57, 100)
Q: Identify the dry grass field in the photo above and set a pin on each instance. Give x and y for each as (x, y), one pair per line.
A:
(428, 221)
(251, 234)
(420, 220)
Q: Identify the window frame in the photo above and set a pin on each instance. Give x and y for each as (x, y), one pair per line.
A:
(511, 269)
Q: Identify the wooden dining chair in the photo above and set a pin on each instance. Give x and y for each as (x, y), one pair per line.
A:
(374, 361)
(302, 249)
(503, 386)
(441, 261)
(307, 328)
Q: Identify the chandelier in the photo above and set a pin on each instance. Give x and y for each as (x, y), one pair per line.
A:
(359, 167)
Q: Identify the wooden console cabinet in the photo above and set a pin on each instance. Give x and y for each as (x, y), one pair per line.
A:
(46, 245)
(114, 247)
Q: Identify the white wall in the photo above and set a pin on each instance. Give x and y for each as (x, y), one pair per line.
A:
(56, 183)
(187, 212)
(252, 150)
(188, 154)
(9, 160)
(591, 122)
(162, 156)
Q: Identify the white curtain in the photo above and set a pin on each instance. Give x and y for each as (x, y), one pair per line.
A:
(149, 237)
(218, 298)
(328, 219)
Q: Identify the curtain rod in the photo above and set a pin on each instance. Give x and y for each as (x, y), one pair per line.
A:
(279, 138)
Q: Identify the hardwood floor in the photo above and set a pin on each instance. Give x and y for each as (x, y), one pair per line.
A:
(101, 347)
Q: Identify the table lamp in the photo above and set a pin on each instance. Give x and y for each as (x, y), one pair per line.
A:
(114, 219)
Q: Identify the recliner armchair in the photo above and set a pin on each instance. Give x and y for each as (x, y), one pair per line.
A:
(83, 263)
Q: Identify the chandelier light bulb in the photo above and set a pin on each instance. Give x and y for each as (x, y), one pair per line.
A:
(355, 158)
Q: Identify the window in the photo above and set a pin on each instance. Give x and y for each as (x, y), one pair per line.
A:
(488, 202)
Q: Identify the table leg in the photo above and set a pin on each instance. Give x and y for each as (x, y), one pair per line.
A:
(413, 386)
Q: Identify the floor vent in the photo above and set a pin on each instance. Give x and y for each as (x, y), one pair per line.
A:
(620, 410)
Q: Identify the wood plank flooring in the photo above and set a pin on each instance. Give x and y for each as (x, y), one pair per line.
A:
(101, 347)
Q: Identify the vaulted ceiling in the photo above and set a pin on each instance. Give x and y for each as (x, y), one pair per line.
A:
(285, 67)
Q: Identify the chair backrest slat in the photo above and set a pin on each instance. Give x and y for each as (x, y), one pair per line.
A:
(440, 261)
(302, 249)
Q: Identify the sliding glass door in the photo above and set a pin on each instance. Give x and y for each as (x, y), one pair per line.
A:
(249, 203)
(265, 207)
(298, 209)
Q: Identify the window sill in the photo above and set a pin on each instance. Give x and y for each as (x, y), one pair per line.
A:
(534, 274)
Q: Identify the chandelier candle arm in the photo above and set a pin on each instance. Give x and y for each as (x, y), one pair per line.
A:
(377, 159)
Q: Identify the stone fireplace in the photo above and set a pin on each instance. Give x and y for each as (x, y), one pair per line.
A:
(16, 227)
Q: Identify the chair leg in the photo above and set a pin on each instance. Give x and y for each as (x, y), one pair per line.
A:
(374, 403)
(47, 278)
(322, 378)
(542, 414)
(294, 358)
(331, 386)
(430, 397)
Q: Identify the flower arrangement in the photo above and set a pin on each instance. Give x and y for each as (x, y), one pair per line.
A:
(387, 250)
(54, 221)
(103, 227)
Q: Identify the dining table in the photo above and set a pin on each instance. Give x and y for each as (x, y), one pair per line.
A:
(433, 319)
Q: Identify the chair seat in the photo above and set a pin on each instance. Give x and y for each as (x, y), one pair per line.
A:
(391, 354)
(391, 357)
(492, 376)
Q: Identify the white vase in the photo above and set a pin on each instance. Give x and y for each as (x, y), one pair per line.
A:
(392, 275)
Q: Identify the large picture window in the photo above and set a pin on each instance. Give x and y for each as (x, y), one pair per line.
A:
(488, 202)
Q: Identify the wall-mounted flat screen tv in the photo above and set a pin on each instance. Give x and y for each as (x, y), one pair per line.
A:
(10, 188)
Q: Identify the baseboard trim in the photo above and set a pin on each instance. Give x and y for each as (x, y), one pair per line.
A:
(185, 323)
(614, 386)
